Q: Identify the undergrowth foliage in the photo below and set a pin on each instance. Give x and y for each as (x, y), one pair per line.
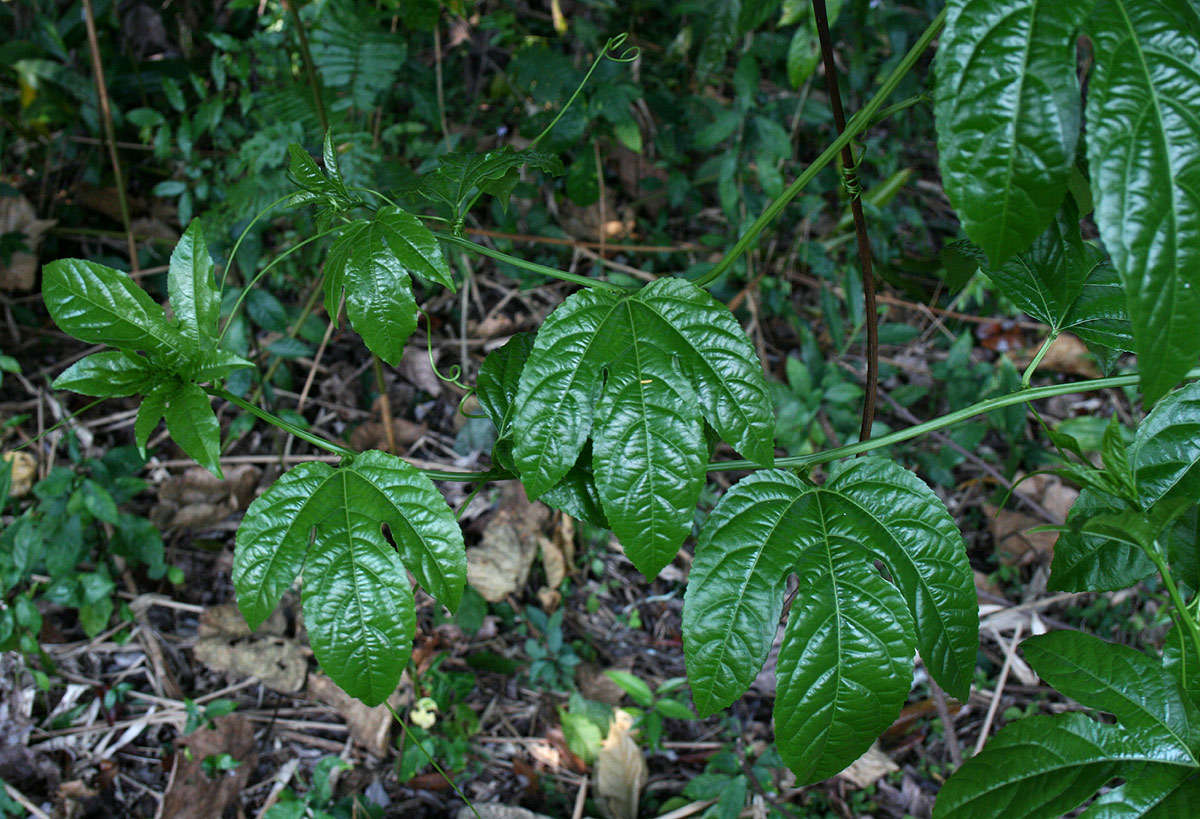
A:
(612, 410)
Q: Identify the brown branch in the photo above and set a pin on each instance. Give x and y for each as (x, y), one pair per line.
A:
(860, 222)
(89, 19)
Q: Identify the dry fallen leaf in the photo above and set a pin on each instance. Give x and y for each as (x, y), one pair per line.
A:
(17, 216)
(620, 770)
(192, 794)
(372, 434)
(197, 499)
(225, 643)
(499, 565)
(370, 727)
(1015, 544)
(598, 686)
(24, 471)
(870, 767)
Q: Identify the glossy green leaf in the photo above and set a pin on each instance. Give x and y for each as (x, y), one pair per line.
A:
(217, 364)
(1143, 141)
(736, 585)
(1050, 765)
(577, 495)
(1068, 284)
(1123, 682)
(634, 686)
(100, 305)
(110, 374)
(379, 299)
(648, 455)
(904, 524)
(1154, 791)
(673, 355)
(358, 606)
(151, 411)
(1088, 561)
(499, 375)
(1166, 448)
(192, 289)
(845, 665)
(194, 426)
(1007, 115)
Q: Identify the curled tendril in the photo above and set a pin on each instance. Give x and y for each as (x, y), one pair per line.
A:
(850, 181)
(455, 371)
(627, 56)
(463, 401)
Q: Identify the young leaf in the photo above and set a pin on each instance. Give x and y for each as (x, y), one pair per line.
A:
(151, 411)
(1087, 561)
(371, 261)
(1166, 448)
(1068, 284)
(845, 666)
(1007, 115)
(499, 375)
(459, 175)
(1052, 764)
(1145, 169)
(100, 305)
(358, 606)
(110, 374)
(671, 349)
(192, 290)
(194, 426)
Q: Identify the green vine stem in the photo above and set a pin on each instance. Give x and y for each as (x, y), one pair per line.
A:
(857, 124)
(1173, 591)
(626, 56)
(245, 232)
(532, 267)
(948, 420)
(1027, 376)
(258, 276)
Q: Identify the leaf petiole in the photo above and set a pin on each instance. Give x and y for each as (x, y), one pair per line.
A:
(532, 267)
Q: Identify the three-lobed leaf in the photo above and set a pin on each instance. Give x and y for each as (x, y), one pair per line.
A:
(1143, 141)
(371, 261)
(357, 601)
(845, 663)
(638, 372)
(1007, 113)
(460, 175)
(1051, 765)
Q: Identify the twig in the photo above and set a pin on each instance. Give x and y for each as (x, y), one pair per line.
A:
(689, 809)
(89, 19)
(994, 706)
(939, 701)
(385, 405)
(16, 794)
(850, 178)
(580, 799)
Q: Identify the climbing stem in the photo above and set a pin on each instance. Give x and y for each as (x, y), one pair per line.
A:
(532, 267)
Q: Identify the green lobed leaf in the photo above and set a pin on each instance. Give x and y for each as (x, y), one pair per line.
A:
(736, 585)
(1123, 682)
(498, 379)
(1046, 766)
(192, 289)
(648, 455)
(460, 174)
(1087, 561)
(1144, 155)
(110, 374)
(358, 605)
(1007, 115)
(1068, 284)
(379, 299)
(100, 305)
(414, 245)
(194, 426)
(560, 384)
(673, 356)
(217, 364)
(1166, 448)
(845, 665)
(1150, 790)
(907, 527)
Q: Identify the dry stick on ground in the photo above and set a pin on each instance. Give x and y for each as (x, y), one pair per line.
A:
(850, 181)
(995, 703)
(89, 19)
